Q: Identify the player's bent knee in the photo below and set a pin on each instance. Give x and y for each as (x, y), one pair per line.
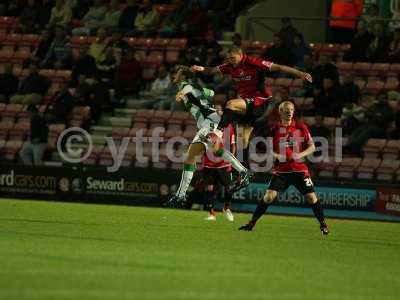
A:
(270, 196)
(311, 198)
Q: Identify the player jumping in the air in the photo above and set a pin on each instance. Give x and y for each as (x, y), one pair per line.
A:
(197, 100)
(217, 172)
(291, 143)
(247, 71)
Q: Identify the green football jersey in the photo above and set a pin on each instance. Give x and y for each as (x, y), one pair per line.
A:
(198, 100)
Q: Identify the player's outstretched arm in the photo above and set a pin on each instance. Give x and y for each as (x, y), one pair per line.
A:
(292, 71)
(205, 70)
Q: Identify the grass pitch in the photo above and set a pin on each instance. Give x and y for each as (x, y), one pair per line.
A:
(75, 251)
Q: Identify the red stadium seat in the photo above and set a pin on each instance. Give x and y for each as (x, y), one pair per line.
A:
(56, 129)
(373, 147)
(12, 110)
(344, 67)
(49, 73)
(30, 40)
(5, 127)
(394, 70)
(362, 68)
(391, 150)
(374, 86)
(367, 168)
(392, 83)
(379, 69)
(327, 169)
(6, 54)
(387, 169)
(162, 115)
(21, 55)
(283, 82)
(361, 83)
(160, 44)
(172, 56)
(20, 131)
(347, 167)
(179, 44)
(13, 39)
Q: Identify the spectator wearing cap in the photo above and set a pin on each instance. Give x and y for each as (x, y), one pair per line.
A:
(32, 152)
(8, 83)
(128, 16)
(92, 20)
(112, 16)
(287, 32)
(98, 47)
(31, 89)
(61, 15)
(146, 20)
(59, 55)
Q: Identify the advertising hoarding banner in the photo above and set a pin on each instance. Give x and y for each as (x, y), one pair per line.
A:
(388, 201)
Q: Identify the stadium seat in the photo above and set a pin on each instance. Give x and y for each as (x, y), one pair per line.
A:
(297, 84)
(172, 56)
(6, 54)
(12, 39)
(30, 40)
(374, 86)
(178, 44)
(11, 149)
(379, 69)
(148, 73)
(62, 75)
(79, 41)
(360, 83)
(308, 102)
(330, 122)
(367, 168)
(19, 131)
(373, 147)
(21, 55)
(298, 102)
(118, 133)
(387, 169)
(283, 82)
(344, 67)
(5, 127)
(12, 110)
(160, 44)
(347, 167)
(362, 68)
(392, 83)
(327, 169)
(146, 113)
(394, 70)
(391, 150)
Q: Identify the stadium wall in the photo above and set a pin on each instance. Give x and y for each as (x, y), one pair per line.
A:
(263, 29)
(152, 187)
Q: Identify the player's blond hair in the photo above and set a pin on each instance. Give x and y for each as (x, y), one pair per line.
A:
(284, 104)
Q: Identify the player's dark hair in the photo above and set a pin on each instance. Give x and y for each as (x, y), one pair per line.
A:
(185, 71)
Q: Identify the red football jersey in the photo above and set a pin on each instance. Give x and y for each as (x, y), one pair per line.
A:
(288, 139)
(210, 160)
(247, 75)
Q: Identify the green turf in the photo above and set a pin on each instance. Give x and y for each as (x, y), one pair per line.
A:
(60, 251)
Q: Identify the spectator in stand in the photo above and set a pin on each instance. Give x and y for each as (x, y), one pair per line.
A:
(59, 55)
(28, 18)
(127, 75)
(172, 23)
(63, 104)
(84, 64)
(112, 16)
(98, 47)
(146, 20)
(371, 17)
(325, 68)
(44, 14)
(121, 47)
(99, 97)
(82, 90)
(92, 20)
(160, 89)
(299, 50)
(379, 116)
(40, 52)
(32, 152)
(279, 53)
(394, 48)
(379, 46)
(31, 89)
(14, 8)
(106, 67)
(61, 15)
(195, 23)
(8, 83)
(327, 102)
(209, 43)
(128, 16)
(353, 115)
(349, 91)
(342, 30)
(237, 40)
(288, 32)
(359, 44)
(192, 57)
(318, 131)
(211, 59)
(80, 8)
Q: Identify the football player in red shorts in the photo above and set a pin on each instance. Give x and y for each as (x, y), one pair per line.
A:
(247, 71)
(291, 143)
(217, 171)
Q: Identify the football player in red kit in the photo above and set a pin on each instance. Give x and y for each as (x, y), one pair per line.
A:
(247, 72)
(216, 172)
(291, 143)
